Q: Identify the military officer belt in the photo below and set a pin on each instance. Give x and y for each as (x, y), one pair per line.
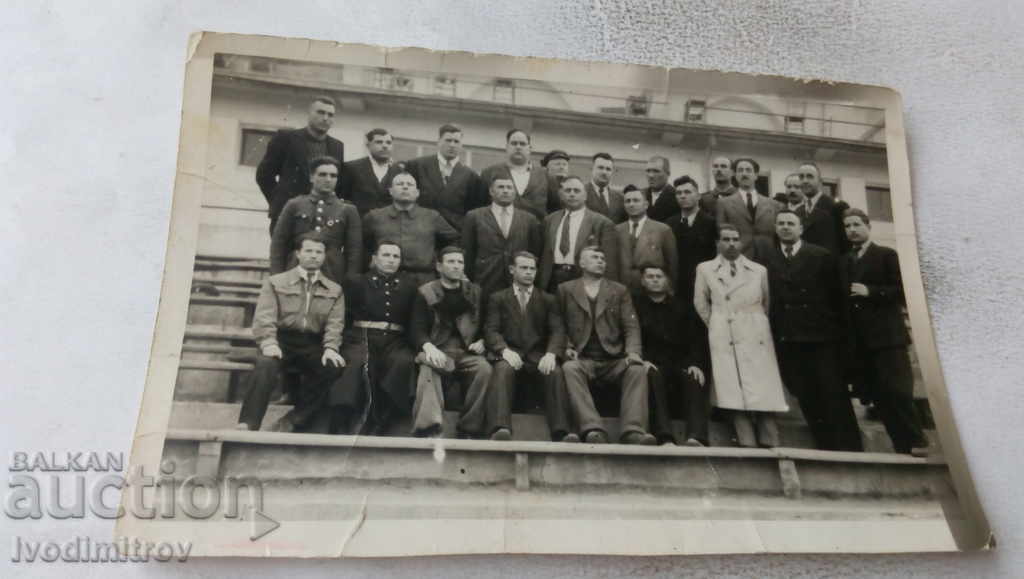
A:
(378, 326)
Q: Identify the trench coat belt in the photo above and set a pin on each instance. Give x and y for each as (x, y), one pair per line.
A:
(749, 309)
(378, 326)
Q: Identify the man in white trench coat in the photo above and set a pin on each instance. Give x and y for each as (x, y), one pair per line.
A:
(731, 296)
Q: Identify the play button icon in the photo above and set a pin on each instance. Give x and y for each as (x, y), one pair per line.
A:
(261, 524)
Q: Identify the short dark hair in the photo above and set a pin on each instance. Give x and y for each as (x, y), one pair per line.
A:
(785, 210)
(317, 162)
(314, 236)
(664, 163)
(500, 177)
(753, 163)
(383, 242)
(727, 227)
(634, 190)
(525, 254)
(684, 180)
(857, 212)
(323, 99)
(374, 132)
(569, 177)
(449, 249)
(602, 156)
(628, 188)
(448, 128)
(513, 131)
(643, 267)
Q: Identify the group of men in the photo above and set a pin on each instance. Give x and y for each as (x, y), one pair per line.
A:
(402, 288)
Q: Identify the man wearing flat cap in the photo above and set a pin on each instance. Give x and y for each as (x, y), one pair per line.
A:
(556, 163)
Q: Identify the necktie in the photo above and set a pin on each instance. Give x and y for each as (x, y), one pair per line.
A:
(505, 221)
(522, 299)
(604, 195)
(633, 230)
(563, 243)
(750, 205)
(789, 252)
(732, 268)
(856, 252)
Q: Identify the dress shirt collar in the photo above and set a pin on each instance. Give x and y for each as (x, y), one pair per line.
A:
(812, 202)
(523, 292)
(689, 219)
(304, 275)
(753, 195)
(639, 225)
(498, 210)
(863, 249)
(796, 246)
(441, 161)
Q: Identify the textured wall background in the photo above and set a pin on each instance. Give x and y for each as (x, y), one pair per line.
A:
(88, 139)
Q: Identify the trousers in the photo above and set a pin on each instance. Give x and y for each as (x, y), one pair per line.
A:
(581, 373)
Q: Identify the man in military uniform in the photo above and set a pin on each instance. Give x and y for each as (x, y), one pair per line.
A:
(322, 212)
(377, 383)
(297, 326)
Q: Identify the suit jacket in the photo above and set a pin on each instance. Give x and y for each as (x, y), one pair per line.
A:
(709, 200)
(666, 204)
(361, 187)
(807, 301)
(876, 321)
(427, 323)
(614, 319)
(489, 253)
(537, 198)
(531, 334)
(284, 171)
(694, 245)
(595, 229)
(656, 246)
(613, 210)
(733, 209)
(453, 199)
(823, 226)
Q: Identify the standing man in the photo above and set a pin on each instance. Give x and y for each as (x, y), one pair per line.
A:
(532, 191)
(365, 181)
(446, 334)
(446, 184)
(642, 242)
(603, 349)
(321, 211)
(824, 223)
(376, 386)
(568, 231)
(721, 173)
(284, 171)
(524, 334)
(807, 311)
(731, 296)
(871, 276)
(752, 214)
(661, 197)
(298, 323)
(695, 236)
(795, 195)
(492, 235)
(601, 198)
(675, 355)
(417, 230)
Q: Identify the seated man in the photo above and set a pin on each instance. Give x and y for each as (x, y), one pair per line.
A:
(297, 325)
(377, 383)
(674, 344)
(523, 331)
(603, 348)
(445, 331)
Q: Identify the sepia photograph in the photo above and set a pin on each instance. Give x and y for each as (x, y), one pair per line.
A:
(430, 303)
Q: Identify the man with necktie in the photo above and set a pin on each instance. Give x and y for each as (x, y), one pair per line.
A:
(568, 231)
(600, 195)
(751, 213)
(644, 242)
(695, 235)
(446, 184)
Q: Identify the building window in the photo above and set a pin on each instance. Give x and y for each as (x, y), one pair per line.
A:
(695, 111)
(444, 86)
(254, 146)
(794, 124)
(879, 201)
(505, 91)
(830, 188)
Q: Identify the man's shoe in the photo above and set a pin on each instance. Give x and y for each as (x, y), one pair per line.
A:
(643, 438)
(571, 437)
(242, 426)
(668, 442)
(596, 437)
(501, 434)
(693, 442)
(922, 451)
(429, 432)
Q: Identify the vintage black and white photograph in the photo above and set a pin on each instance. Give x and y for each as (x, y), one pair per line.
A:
(425, 303)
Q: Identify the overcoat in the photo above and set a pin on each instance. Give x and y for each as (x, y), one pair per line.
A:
(735, 310)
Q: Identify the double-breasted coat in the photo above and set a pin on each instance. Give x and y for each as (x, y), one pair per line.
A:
(735, 310)
(489, 252)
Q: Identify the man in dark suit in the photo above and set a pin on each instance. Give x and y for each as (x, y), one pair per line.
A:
(675, 350)
(600, 195)
(824, 223)
(660, 195)
(524, 334)
(795, 195)
(603, 348)
(365, 181)
(568, 231)
(880, 364)
(492, 235)
(532, 185)
(556, 163)
(695, 234)
(721, 173)
(752, 214)
(284, 171)
(806, 314)
(643, 241)
(446, 185)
